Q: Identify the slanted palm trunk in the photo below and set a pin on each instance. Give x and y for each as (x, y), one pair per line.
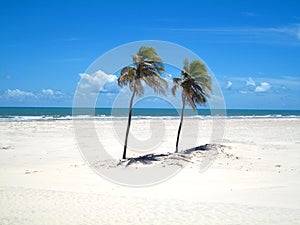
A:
(181, 119)
(129, 123)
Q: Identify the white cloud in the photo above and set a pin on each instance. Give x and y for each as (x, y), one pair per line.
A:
(90, 86)
(293, 30)
(18, 93)
(288, 34)
(36, 97)
(98, 82)
(229, 85)
(263, 87)
(250, 82)
(48, 91)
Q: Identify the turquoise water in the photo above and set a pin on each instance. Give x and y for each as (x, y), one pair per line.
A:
(55, 113)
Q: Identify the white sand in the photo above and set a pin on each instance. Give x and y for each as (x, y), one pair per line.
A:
(256, 180)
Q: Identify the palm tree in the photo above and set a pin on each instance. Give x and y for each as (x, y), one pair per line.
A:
(195, 84)
(147, 68)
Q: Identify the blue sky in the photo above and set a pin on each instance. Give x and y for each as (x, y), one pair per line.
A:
(252, 47)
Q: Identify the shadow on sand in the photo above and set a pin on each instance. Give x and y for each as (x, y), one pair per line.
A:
(185, 155)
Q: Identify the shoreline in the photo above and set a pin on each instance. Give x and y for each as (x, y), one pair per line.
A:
(116, 118)
(67, 113)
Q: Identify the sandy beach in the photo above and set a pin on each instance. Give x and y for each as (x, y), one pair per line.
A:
(255, 178)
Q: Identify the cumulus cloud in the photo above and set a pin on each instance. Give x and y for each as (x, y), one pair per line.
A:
(250, 82)
(263, 87)
(18, 93)
(50, 92)
(229, 85)
(250, 86)
(98, 82)
(24, 96)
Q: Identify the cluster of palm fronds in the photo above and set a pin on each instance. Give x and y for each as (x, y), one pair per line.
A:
(148, 67)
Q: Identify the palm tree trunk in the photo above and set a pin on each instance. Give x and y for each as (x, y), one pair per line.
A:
(181, 120)
(128, 124)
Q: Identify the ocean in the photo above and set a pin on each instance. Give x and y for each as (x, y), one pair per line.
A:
(59, 113)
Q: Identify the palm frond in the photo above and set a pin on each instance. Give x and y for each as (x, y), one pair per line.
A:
(126, 69)
(148, 54)
(204, 81)
(157, 66)
(174, 89)
(185, 74)
(139, 88)
(154, 81)
(190, 100)
(186, 65)
(177, 83)
(177, 80)
(195, 83)
(200, 99)
(147, 68)
(136, 59)
(127, 76)
(197, 68)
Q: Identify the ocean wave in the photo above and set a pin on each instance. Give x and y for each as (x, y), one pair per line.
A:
(138, 117)
(33, 118)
